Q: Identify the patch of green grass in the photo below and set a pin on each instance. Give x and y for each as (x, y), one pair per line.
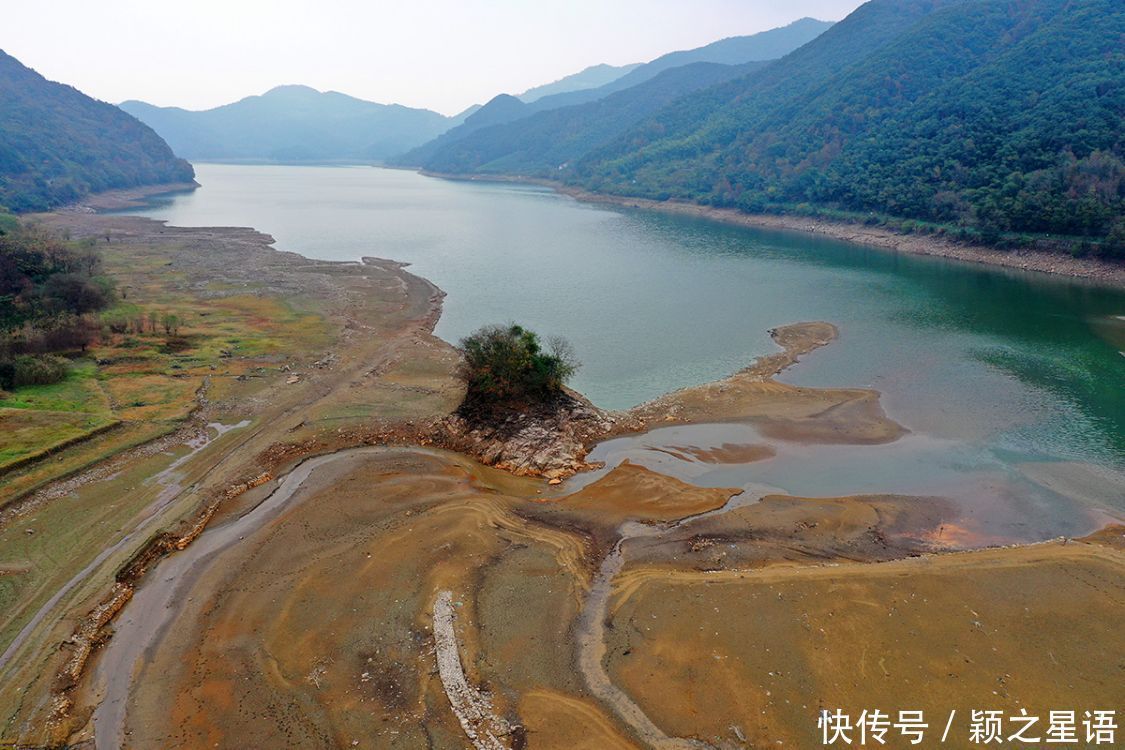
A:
(25, 432)
(78, 393)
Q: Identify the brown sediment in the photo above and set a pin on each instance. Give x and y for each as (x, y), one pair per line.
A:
(786, 529)
(780, 410)
(767, 649)
(373, 315)
(727, 453)
(558, 721)
(410, 539)
(762, 530)
(631, 493)
(392, 528)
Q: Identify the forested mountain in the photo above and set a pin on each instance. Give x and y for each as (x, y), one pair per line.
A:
(57, 144)
(498, 110)
(589, 78)
(735, 50)
(293, 124)
(993, 115)
(767, 45)
(546, 142)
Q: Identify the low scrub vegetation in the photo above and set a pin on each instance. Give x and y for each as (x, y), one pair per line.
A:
(28, 369)
(508, 366)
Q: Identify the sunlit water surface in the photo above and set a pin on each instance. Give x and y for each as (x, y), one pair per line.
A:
(1012, 384)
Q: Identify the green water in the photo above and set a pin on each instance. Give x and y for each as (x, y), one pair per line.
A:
(999, 373)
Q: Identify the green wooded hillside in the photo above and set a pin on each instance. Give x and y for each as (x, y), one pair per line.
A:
(442, 154)
(992, 115)
(547, 141)
(57, 144)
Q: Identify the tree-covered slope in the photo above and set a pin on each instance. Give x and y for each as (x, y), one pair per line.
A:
(546, 142)
(293, 124)
(739, 50)
(57, 144)
(995, 115)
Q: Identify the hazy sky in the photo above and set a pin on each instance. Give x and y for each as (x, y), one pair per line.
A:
(440, 54)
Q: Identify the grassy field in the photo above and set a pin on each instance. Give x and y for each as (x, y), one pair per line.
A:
(144, 377)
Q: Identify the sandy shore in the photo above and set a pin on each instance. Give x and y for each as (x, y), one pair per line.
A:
(1102, 272)
(1097, 271)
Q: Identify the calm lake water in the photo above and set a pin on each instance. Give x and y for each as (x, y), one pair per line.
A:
(1012, 384)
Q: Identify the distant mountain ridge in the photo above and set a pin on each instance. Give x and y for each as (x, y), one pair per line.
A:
(735, 50)
(589, 78)
(546, 142)
(57, 144)
(505, 108)
(293, 124)
(986, 114)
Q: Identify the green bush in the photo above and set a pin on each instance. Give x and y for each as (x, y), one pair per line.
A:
(508, 365)
(44, 369)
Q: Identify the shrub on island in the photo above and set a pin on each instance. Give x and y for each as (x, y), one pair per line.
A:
(508, 366)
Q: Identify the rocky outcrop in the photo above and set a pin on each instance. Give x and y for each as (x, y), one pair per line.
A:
(549, 440)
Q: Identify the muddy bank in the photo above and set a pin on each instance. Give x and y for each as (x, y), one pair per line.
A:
(547, 617)
(749, 658)
(118, 200)
(780, 410)
(1102, 272)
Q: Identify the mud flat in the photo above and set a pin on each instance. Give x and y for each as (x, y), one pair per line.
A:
(374, 591)
(1030, 628)
(312, 621)
(637, 610)
(817, 415)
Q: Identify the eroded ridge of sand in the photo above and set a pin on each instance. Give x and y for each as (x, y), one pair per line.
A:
(471, 706)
